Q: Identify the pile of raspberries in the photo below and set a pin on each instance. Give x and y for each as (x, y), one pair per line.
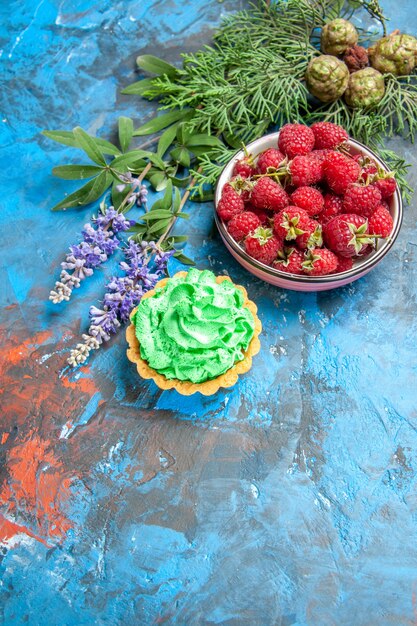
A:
(308, 206)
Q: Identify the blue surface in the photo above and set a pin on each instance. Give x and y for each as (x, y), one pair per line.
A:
(290, 499)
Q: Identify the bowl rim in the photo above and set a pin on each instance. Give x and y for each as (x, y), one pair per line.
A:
(357, 271)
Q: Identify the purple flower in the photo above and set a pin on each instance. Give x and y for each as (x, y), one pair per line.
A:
(143, 266)
(161, 260)
(97, 245)
(92, 255)
(111, 218)
(139, 193)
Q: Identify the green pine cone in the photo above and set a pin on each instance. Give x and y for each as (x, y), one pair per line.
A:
(327, 77)
(395, 54)
(365, 89)
(337, 36)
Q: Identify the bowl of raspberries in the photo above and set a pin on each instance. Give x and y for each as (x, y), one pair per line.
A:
(308, 208)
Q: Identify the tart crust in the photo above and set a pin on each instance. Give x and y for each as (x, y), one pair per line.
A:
(185, 387)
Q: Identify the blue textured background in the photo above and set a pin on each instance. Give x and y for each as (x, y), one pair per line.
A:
(290, 499)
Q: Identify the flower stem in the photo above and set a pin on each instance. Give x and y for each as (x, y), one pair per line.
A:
(140, 179)
(145, 171)
(148, 143)
(182, 204)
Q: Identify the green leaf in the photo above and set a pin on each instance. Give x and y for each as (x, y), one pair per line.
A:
(203, 140)
(204, 196)
(159, 225)
(178, 238)
(138, 88)
(182, 156)
(128, 159)
(159, 204)
(86, 194)
(117, 196)
(166, 201)
(162, 121)
(76, 172)
(156, 160)
(136, 167)
(166, 140)
(154, 65)
(232, 141)
(177, 200)
(158, 180)
(158, 214)
(183, 135)
(86, 143)
(183, 259)
(180, 182)
(138, 228)
(125, 132)
(66, 137)
(183, 216)
(199, 151)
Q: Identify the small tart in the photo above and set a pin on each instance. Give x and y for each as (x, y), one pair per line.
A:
(187, 387)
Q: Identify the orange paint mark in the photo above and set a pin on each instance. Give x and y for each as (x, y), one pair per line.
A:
(9, 307)
(24, 349)
(9, 530)
(37, 483)
(84, 385)
(37, 487)
(32, 390)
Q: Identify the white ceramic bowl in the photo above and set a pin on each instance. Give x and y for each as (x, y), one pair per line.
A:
(295, 281)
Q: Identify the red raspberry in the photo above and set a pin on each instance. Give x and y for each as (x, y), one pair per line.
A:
(291, 222)
(264, 216)
(244, 167)
(230, 203)
(312, 237)
(343, 264)
(347, 234)
(242, 185)
(381, 222)
(339, 171)
(332, 206)
(262, 245)
(368, 166)
(267, 194)
(320, 155)
(368, 172)
(242, 224)
(328, 135)
(292, 261)
(295, 139)
(319, 262)
(361, 199)
(386, 186)
(305, 171)
(309, 199)
(269, 160)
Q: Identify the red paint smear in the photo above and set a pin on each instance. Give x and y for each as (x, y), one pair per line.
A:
(8, 530)
(36, 403)
(83, 385)
(37, 487)
(4, 438)
(25, 349)
(32, 389)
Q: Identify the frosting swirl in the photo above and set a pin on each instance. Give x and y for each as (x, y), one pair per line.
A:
(194, 328)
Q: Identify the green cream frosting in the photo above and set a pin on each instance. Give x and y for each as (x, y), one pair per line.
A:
(194, 328)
